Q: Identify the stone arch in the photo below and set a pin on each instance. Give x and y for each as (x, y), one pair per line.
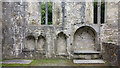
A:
(85, 39)
(30, 42)
(61, 44)
(41, 42)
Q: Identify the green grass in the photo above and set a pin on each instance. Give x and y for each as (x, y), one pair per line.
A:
(44, 62)
(41, 62)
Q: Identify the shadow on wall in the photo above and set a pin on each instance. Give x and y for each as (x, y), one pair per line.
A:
(30, 43)
(41, 42)
(61, 44)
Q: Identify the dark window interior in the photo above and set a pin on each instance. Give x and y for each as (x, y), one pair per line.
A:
(95, 12)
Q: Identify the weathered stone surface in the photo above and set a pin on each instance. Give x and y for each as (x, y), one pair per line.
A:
(109, 31)
(61, 44)
(111, 53)
(84, 39)
(17, 62)
(89, 61)
(72, 29)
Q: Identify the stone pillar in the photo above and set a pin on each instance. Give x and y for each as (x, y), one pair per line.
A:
(68, 47)
(99, 11)
(46, 13)
(83, 12)
(36, 45)
(105, 12)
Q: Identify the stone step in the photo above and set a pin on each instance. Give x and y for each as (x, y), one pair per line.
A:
(87, 52)
(16, 61)
(89, 61)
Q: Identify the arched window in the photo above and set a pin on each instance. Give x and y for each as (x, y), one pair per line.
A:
(46, 13)
(99, 11)
(102, 11)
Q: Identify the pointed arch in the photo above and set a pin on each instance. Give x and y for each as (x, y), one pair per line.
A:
(41, 42)
(61, 44)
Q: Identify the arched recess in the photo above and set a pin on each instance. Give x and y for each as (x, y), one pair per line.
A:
(61, 44)
(85, 39)
(41, 43)
(30, 43)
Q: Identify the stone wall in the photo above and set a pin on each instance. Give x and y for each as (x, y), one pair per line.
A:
(84, 40)
(109, 30)
(109, 34)
(13, 28)
(23, 35)
(111, 53)
(21, 38)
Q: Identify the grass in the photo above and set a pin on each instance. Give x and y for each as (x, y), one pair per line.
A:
(53, 62)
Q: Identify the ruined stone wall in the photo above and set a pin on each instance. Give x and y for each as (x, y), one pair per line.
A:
(33, 13)
(13, 28)
(78, 12)
(111, 53)
(57, 14)
(22, 29)
(109, 30)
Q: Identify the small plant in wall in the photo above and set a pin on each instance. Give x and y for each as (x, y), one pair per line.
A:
(110, 40)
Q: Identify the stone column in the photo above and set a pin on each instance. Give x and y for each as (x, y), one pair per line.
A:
(46, 13)
(36, 45)
(105, 12)
(83, 12)
(99, 11)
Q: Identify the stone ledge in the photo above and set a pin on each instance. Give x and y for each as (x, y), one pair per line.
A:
(89, 61)
(17, 62)
(87, 52)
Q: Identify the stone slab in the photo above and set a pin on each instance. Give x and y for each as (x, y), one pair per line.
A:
(16, 61)
(90, 52)
(89, 61)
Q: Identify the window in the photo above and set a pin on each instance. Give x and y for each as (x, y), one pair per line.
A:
(101, 12)
(95, 12)
(46, 13)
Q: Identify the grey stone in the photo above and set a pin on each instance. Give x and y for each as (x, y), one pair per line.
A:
(17, 62)
(72, 30)
(89, 61)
